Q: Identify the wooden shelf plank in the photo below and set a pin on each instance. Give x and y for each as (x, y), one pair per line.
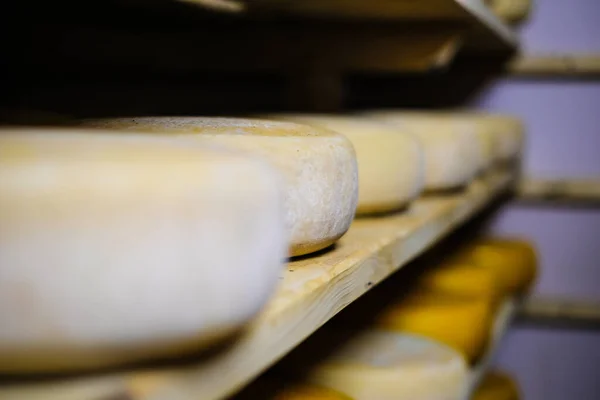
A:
(312, 291)
(560, 191)
(560, 312)
(556, 65)
(505, 315)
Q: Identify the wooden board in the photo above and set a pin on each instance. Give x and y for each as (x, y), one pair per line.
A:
(560, 191)
(556, 65)
(560, 312)
(312, 291)
(505, 315)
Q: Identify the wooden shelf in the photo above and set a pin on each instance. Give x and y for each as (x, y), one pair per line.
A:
(560, 191)
(312, 291)
(505, 315)
(562, 313)
(556, 65)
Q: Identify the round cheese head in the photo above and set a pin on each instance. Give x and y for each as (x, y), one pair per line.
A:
(378, 365)
(461, 278)
(118, 248)
(461, 322)
(390, 163)
(453, 150)
(319, 167)
(512, 261)
(497, 386)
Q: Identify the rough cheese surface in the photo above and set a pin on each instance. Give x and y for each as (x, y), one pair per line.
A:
(453, 151)
(390, 163)
(319, 167)
(497, 385)
(115, 248)
(377, 365)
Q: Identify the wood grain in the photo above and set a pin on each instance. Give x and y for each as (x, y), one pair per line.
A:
(312, 290)
(560, 191)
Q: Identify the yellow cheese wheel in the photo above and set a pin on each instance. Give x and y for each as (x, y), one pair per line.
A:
(497, 386)
(390, 163)
(513, 261)
(379, 365)
(319, 167)
(460, 278)
(453, 151)
(286, 390)
(102, 237)
(461, 322)
(510, 10)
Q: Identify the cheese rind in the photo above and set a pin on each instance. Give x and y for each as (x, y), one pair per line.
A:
(497, 385)
(319, 167)
(288, 390)
(390, 163)
(122, 248)
(377, 365)
(512, 261)
(452, 151)
(461, 322)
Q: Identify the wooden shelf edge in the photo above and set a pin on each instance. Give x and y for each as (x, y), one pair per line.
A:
(560, 312)
(560, 191)
(556, 65)
(506, 314)
(497, 32)
(312, 291)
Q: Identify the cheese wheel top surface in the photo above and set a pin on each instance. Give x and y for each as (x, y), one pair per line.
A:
(453, 153)
(461, 322)
(390, 163)
(121, 248)
(377, 365)
(319, 167)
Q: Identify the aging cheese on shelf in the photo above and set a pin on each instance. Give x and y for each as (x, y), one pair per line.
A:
(117, 247)
(453, 152)
(513, 261)
(390, 163)
(319, 167)
(461, 278)
(461, 322)
(377, 365)
(497, 386)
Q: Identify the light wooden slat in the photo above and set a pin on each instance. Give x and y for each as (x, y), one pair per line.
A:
(560, 191)
(557, 65)
(505, 315)
(561, 312)
(312, 291)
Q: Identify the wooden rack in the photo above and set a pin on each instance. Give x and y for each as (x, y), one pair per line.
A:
(312, 291)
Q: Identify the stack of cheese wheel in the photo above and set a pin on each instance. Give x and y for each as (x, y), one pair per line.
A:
(497, 386)
(390, 163)
(462, 322)
(119, 248)
(513, 262)
(379, 365)
(454, 152)
(319, 167)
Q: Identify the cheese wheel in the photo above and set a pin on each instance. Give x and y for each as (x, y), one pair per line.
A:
(461, 322)
(390, 163)
(510, 10)
(121, 248)
(460, 278)
(319, 167)
(512, 261)
(453, 152)
(497, 386)
(284, 390)
(378, 365)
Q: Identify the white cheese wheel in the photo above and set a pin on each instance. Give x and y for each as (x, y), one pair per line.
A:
(377, 365)
(319, 167)
(121, 248)
(390, 163)
(453, 151)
